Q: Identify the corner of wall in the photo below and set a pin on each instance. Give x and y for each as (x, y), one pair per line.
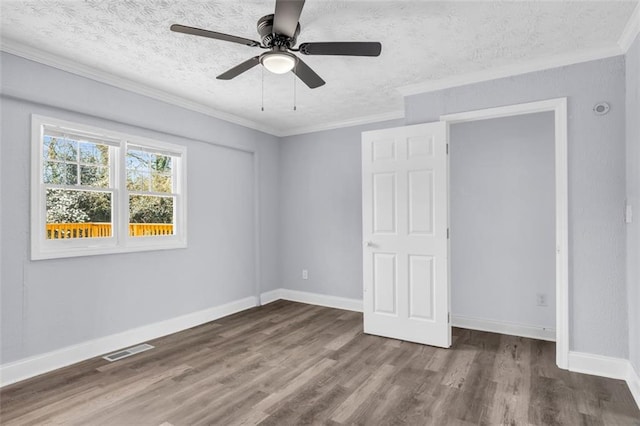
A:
(632, 135)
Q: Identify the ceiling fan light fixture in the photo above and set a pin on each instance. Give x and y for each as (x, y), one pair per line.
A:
(278, 62)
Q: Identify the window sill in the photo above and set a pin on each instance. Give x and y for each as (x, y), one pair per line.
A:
(60, 253)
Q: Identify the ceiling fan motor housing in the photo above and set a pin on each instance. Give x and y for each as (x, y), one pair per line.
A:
(269, 39)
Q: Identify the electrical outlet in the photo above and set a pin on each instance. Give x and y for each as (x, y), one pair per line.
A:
(305, 274)
(541, 299)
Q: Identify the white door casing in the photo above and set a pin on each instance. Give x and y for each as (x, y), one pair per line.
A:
(559, 108)
(405, 219)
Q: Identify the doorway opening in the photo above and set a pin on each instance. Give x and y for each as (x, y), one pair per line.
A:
(556, 109)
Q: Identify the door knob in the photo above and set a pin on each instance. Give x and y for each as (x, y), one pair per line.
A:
(370, 244)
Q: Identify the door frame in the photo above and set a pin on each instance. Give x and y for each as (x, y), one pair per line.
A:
(559, 108)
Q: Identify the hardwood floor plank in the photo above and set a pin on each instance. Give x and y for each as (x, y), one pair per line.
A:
(512, 374)
(363, 392)
(89, 402)
(289, 363)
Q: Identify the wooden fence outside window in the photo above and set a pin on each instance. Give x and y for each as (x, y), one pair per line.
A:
(56, 231)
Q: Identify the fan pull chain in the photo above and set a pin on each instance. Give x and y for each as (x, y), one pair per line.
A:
(262, 105)
(294, 85)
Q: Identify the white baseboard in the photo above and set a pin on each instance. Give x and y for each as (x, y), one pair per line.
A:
(322, 300)
(598, 365)
(13, 372)
(29, 367)
(633, 381)
(509, 328)
(312, 299)
(605, 366)
(270, 296)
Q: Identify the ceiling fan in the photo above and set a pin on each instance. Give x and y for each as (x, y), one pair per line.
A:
(279, 32)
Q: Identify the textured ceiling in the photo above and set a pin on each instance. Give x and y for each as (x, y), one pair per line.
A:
(422, 41)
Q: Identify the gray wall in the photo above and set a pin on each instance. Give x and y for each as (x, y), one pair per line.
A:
(502, 219)
(50, 304)
(633, 198)
(598, 307)
(314, 181)
(320, 195)
(321, 211)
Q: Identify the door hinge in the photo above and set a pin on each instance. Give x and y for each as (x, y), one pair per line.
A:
(447, 233)
(447, 148)
(449, 318)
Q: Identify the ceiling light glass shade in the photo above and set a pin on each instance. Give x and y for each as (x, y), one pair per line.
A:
(278, 63)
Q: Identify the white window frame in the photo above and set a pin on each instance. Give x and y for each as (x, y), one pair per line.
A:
(120, 241)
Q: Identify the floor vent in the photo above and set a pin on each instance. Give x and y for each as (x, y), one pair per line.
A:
(127, 352)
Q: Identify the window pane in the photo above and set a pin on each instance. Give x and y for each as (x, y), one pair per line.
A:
(161, 183)
(94, 176)
(78, 214)
(160, 163)
(149, 172)
(60, 173)
(45, 147)
(138, 160)
(150, 215)
(137, 180)
(61, 149)
(94, 153)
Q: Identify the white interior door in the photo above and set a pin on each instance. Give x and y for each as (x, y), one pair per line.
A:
(405, 219)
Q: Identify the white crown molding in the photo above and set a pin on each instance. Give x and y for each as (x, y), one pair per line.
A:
(628, 36)
(46, 58)
(512, 70)
(16, 48)
(631, 30)
(29, 367)
(393, 115)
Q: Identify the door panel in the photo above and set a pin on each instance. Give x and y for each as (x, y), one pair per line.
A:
(384, 199)
(421, 202)
(421, 287)
(420, 146)
(384, 285)
(384, 149)
(405, 219)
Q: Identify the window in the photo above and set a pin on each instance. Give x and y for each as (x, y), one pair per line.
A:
(151, 192)
(96, 191)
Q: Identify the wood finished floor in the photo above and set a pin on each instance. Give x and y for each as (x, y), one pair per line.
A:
(290, 363)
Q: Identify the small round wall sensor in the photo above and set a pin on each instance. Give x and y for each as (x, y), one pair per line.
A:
(601, 108)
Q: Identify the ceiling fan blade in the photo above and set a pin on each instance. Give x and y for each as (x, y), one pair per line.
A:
(348, 48)
(239, 69)
(212, 34)
(307, 75)
(286, 17)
